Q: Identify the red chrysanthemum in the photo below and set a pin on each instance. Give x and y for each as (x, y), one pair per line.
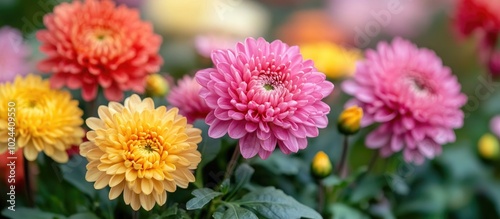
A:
(94, 43)
(478, 14)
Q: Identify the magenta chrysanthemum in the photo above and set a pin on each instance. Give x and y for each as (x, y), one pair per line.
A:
(415, 98)
(265, 95)
(185, 96)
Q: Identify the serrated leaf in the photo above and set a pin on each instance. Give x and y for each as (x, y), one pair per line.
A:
(273, 203)
(31, 213)
(201, 198)
(235, 212)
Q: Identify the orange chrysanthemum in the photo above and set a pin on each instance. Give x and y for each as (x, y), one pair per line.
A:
(45, 119)
(140, 151)
(94, 43)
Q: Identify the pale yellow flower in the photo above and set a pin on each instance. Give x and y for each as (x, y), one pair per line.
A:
(334, 60)
(350, 120)
(140, 151)
(46, 120)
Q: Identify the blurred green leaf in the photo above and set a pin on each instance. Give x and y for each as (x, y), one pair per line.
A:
(30, 213)
(201, 198)
(272, 203)
(86, 215)
(209, 147)
(278, 164)
(331, 180)
(74, 172)
(342, 211)
(368, 187)
(242, 175)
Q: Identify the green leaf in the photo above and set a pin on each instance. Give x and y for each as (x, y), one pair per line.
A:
(86, 215)
(173, 212)
(235, 212)
(342, 211)
(209, 147)
(201, 198)
(74, 172)
(31, 213)
(331, 180)
(273, 203)
(242, 175)
(369, 186)
(279, 164)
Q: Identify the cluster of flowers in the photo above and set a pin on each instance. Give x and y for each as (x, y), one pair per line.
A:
(265, 94)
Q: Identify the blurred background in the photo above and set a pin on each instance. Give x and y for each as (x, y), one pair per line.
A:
(464, 182)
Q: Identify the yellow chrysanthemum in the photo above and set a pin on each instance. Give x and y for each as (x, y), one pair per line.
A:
(46, 120)
(140, 151)
(332, 59)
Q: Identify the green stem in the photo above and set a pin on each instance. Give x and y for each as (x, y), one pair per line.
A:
(232, 162)
(373, 160)
(135, 214)
(321, 196)
(27, 182)
(342, 168)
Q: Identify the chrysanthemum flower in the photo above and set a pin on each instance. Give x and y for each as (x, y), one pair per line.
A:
(332, 59)
(185, 96)
(93, 43)
(140, 151)
(477, 14)
(47, 120)
(412, 95)
(264, 94)
(13, 54)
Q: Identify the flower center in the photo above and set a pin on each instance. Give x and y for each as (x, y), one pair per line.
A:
(144, 149)
(419, 86)
(268, 87)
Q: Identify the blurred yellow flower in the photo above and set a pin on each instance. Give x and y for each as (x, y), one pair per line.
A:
(140, 151)
(321, 166)
(45, 119)
(488, 147)
(156, 85)
(332, 59)
(350, 120)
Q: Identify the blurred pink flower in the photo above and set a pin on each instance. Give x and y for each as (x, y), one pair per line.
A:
(185, 96)
(207, 43)
(264, 94)
(13, 54)
(416, 99)
(473, 15)
(372, 17)
(495, 125)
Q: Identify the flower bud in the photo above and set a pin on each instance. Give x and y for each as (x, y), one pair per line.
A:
(350, 120)
(156, 86)
(321, 166)
(488, 147)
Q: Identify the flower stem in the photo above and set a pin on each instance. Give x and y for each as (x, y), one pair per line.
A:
(342, 168)
(232, 162)
(373, 160)
(91, 108)
(321, 196)
(27, 182)
(135, 214)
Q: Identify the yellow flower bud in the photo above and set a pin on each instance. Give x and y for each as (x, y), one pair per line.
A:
(156, 85)
(488, 147)
(321, 166)
(350, 120)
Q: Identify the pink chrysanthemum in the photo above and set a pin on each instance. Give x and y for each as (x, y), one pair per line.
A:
(264, 94)
(13, 54)
(185, 96)
(94, 43)
(415, 98)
